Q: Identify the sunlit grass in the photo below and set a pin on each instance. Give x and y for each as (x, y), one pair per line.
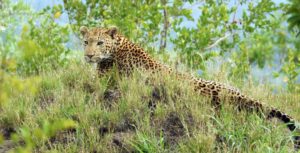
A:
(142, 113)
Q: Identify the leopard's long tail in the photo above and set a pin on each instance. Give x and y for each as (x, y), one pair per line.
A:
(271, 112)
(214, 90)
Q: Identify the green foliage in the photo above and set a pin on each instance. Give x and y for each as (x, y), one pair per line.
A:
(217, 21)
(140, 20)
(244, 32)
(38, 136)
(11, 18)
(43, 43)
(36, 49)
(291, 69)
(12, 86)
(293, 11)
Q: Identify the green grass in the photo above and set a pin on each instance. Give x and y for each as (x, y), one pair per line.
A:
(117, 114)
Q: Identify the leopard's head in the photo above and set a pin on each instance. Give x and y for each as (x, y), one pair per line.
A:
(99, 43)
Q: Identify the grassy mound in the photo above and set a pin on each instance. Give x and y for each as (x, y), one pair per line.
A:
(80, 112)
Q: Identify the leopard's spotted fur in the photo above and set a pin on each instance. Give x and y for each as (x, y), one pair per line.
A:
(107, 47)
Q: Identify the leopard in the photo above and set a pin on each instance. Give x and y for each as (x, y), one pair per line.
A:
(107, 47)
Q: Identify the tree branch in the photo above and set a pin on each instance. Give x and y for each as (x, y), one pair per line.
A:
(164, 32)
(218, 41)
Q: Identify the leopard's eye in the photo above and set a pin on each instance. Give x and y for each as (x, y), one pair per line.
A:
(86, 42)
(99, 43)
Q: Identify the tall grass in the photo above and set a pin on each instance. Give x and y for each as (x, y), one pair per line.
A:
(141, 113)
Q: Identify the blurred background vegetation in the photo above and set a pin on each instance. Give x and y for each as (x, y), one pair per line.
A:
(254, 39)
(250, 40)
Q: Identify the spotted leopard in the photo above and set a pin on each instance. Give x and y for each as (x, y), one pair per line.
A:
(107, 47)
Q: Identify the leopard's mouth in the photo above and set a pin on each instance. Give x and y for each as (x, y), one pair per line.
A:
(106, 63)
(98, 59)
(106, 60)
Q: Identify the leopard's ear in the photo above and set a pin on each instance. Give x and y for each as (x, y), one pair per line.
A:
(83, 30)
(112, 32)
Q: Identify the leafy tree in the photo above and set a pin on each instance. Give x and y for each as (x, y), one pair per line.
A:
(293, 11)
(245, 33)
(12, 16)
(43, 42)
(144, 21)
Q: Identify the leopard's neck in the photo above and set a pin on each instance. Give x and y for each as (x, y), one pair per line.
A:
(131, 55)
